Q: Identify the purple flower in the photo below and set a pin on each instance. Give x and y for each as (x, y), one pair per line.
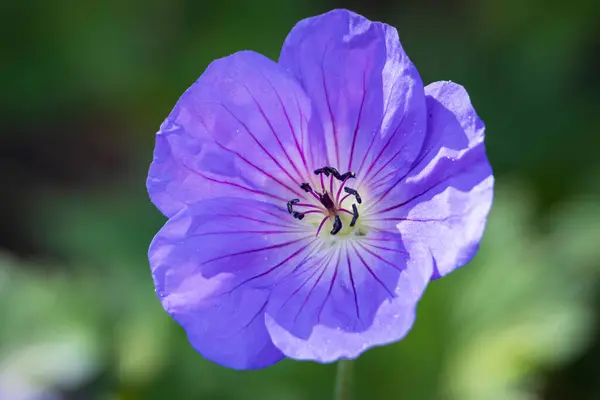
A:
(310, 201)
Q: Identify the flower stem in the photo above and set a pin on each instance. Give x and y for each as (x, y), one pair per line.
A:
(343, 380)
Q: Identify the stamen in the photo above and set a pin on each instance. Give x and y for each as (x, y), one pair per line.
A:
(347, 175)
(337, 225)
(306, 187)
(354, 193)
(324, 170)
(330, 170)
(331, 208)
(355, 216)
(291, 203)
(339, 192)
(334, 172)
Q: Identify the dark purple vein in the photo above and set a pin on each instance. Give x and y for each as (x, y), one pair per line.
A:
(387, 143)
(331, 116)
(302, 137)
(399, 180)
(290, 125)
(409, 219)
(382, 185)
(314, 272)
(275, 246)
(242, 232)
(313, 250)
(364, 263)
(353, 285)
(278, 216)
(268, 175)
(257, 141)
(232, 184)
(378, 130)
(388, 249)
(258, 313)
(268, 121)
(368, 151)
(384, 180)
(362, 102)
(335, 272)
(312, 289)
(291, 256)
(413, 198)
(377, 256)
(378, 239)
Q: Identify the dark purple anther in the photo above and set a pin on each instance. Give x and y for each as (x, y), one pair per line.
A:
(298, 215)
(354, 193)
(291, 203)
(355, 216)
(337, 225)
(334, 172)
(306, 187)
(346, 175)
(324, 170)
(342, 177)
(330, 170)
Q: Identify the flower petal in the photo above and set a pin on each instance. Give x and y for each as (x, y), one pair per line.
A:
(346, 300)
(245, 128)
(367, 92)
(213, 264)
(445, 198)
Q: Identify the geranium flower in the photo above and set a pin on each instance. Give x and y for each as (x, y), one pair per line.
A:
(310, 201)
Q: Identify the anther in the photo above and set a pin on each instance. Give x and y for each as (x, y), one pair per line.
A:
(291, 203)
(346, 175)
(306, 187)
(324, 170)
(355, 216)
(330, 170)
(298, 215)
(338, 176)
(334, 172)
(354, 193)
(337, 225)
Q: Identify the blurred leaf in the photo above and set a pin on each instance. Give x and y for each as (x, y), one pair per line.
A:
(518, 312)
(45, 342)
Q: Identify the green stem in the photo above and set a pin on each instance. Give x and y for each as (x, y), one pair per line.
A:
(343, 380)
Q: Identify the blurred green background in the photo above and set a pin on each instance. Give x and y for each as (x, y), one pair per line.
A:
(85, 87)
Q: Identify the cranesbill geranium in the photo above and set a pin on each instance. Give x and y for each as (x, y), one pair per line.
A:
(310, 201)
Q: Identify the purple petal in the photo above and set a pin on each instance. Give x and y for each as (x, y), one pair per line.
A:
(445, 198)
(348, 300)
(213, 265)
(244, 129)
(367, 92)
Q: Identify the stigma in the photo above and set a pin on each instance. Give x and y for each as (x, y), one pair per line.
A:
(328, 199)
